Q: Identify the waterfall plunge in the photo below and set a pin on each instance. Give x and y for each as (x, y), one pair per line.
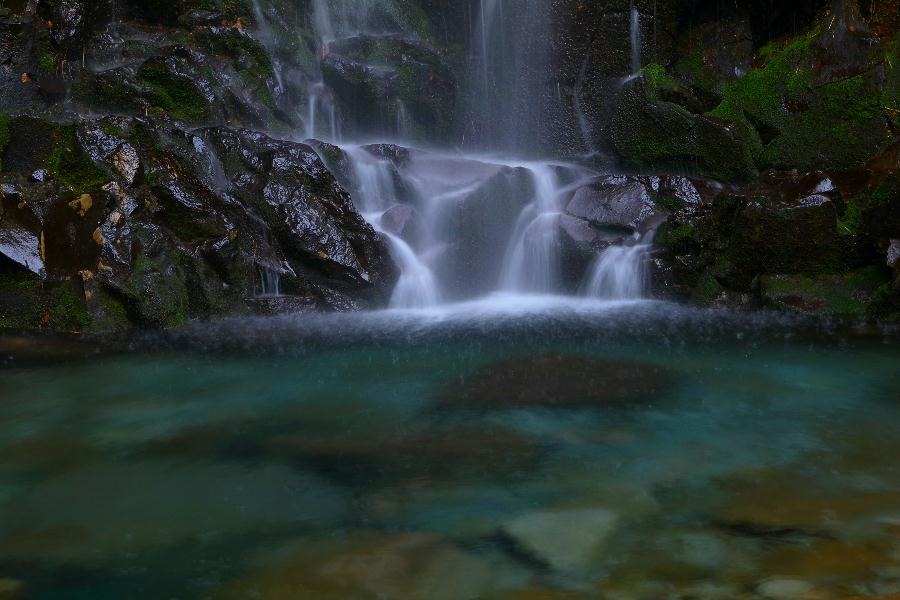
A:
(533, 261)
(620, 272)
(375, 193)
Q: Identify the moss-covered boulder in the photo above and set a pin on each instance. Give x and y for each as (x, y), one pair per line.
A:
(844, 295)
(651, 133)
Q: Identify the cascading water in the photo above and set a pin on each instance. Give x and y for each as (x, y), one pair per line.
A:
(269, 283)
(620, 272)
(511, 88)
(635, 31)
(480, 224)
(375, 194)
(533, 262)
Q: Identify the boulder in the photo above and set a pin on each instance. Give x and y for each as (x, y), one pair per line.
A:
(613, 202)
(847, 295)
(364, 565)
(401, 220)
(22, 247)
(649, 133)
(566, 540)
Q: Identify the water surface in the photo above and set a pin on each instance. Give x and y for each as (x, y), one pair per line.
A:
(510, 448)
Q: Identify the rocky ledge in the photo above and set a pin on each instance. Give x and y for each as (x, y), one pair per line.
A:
(124, 221)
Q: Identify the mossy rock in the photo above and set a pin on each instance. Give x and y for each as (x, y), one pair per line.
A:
(657, 135)
(847, 295)
(176, 94)
(21, 300)
(39, 144)
(790, 120)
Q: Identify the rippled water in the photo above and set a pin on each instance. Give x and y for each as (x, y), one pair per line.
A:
(511, 448)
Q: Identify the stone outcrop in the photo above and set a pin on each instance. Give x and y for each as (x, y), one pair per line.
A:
(123, 220)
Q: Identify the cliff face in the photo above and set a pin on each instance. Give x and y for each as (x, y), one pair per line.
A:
(137, 189)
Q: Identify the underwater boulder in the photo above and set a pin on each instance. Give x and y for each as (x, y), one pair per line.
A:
(558, 381)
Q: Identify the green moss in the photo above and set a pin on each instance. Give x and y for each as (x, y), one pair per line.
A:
(158, 292)
(47, 62)
(658, 81)
(20, 280)
(251, 58)
(176, 95)
(790, 123)
(67, 308)
(841, 128)
(840, 295)
(115, 315)
(68, 164)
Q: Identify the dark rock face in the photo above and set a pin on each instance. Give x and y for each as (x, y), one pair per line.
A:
(559, 381)
(153, 225)
(392, 85)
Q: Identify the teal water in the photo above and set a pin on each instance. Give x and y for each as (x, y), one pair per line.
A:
(554, 450)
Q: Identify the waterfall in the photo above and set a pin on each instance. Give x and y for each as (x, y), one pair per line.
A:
(267, 38)
(635, 40)
(269, 282)
(460, 225)
(319, 101)
(532, 261)
(376, 192)
(620, 272)
(512, 90)
(416, 287)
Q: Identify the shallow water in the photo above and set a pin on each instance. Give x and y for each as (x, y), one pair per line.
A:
(510, 448)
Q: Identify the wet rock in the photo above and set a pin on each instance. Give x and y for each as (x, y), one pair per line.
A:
(482, 452)
(558, 381)
(22, 247)
(567, 539)
(304, 206)
(391, 85)
(893, 254)
(363, 565)
(73, 20)
(479, 227)
(789, 237)
(401, 220)
(617, 202)
(786, 589)
(837, 295)
(654, 134)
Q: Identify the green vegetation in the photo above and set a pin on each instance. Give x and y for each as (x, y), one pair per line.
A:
(658, 81)
(69, 165)
(67, 309)
(47, 62)
(840, 295)
(177, 95)
(788, 122)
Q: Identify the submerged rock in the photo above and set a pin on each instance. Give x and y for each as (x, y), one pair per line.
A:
(475, 452)
(558, 381)
(566, 540)
(368, 566)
